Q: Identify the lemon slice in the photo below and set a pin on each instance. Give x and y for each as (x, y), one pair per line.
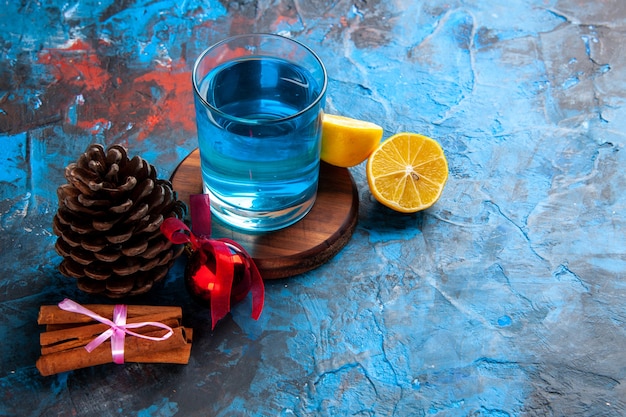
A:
(407, 172)
(347, 142)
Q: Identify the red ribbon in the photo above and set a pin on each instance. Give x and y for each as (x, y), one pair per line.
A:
(226, 253)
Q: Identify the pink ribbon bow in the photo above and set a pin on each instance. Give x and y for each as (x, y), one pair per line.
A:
(117, 330)
(226, 253)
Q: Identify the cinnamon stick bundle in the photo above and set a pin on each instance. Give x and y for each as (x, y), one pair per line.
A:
(67, 333)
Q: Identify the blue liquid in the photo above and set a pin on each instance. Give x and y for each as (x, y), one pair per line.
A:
(260, 158)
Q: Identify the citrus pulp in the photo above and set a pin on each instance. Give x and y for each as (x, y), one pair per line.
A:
(407, 172)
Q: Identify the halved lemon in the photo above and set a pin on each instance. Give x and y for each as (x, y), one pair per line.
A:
(407, 172)
(347, 142)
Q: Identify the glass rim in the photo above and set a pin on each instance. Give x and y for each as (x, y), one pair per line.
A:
(264, 121)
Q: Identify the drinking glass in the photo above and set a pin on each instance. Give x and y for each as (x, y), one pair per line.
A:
(259, 102)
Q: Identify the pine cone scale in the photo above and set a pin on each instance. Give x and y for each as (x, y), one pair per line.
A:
(143, 190)
(108, 255)
(119, 237)
(71, 269)
(136, 249)
(95, 243)
(139, 213)
(62, 248)
(123, 207)
(71, 238)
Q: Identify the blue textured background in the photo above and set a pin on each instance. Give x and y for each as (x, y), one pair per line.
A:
(506, 298)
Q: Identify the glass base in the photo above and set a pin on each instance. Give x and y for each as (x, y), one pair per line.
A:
(258, 221)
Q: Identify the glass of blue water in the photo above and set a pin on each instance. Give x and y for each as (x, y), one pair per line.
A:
(259, 102)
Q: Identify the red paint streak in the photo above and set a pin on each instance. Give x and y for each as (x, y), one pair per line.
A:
(288, 20)
(117, 102)
(174, 108)
(94, 126)
(241, 25)
(77, 64)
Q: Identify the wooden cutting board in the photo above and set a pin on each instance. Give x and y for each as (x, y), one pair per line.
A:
(299, 248)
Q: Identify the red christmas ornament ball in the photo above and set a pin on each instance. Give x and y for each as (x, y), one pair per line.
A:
(201, 281)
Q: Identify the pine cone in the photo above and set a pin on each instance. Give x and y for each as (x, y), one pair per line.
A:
(108, 223)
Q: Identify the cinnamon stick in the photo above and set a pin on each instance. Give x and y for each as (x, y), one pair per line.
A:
(177, 356)
(175, 349)
(53, 314)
